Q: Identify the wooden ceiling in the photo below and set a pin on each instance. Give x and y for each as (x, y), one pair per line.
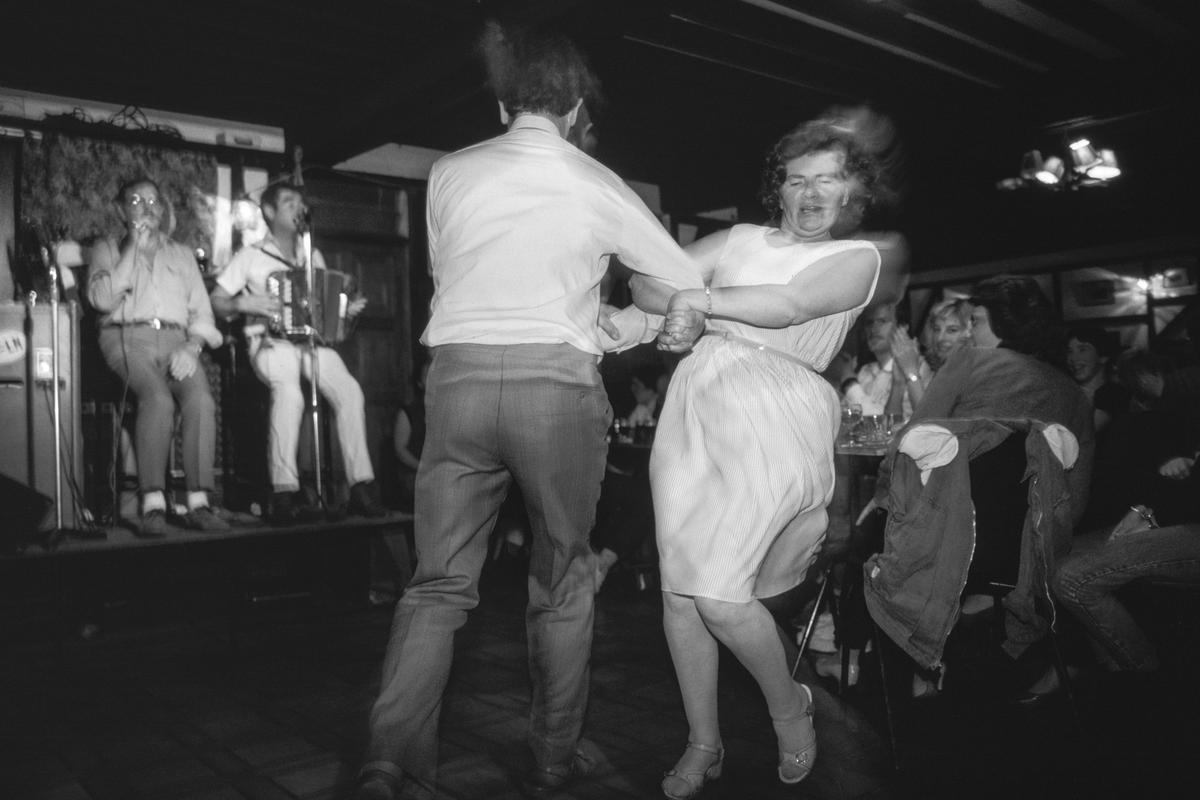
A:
(696, 91)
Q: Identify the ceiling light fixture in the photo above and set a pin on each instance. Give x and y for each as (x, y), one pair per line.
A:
(1089, 167)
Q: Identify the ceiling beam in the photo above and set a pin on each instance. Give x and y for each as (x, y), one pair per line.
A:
(1043, 23)
(888, 47)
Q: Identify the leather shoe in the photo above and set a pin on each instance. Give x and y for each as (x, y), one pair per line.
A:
(543, 781)
(364, 501)
(292, 508)
(152, 525)
(377, 785)
(206, 519)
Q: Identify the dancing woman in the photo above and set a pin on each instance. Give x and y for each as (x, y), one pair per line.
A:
(742, 469)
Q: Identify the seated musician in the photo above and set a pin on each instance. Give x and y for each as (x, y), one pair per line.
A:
(155, 319)
(242, 288)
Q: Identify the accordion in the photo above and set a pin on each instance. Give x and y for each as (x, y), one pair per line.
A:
(320, 309)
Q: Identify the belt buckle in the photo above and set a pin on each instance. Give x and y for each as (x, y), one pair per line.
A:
(156, 323)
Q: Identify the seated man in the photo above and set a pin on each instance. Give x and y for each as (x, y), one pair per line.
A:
(895, 381)
(242, 289)
(155, 319)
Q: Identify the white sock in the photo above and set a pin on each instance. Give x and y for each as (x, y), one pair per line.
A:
(197, 500)
(153, 501)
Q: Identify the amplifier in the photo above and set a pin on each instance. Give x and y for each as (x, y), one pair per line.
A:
(27, 454)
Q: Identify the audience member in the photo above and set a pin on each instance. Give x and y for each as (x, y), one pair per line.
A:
(949, 330)
(1002, 378)
(1145, 476)
(878, 388)
(1155, 433)
(408, 438)
(155, 319)
(1089, 351)
(644, 385)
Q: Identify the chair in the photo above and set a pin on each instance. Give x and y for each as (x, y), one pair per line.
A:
(1000, 494)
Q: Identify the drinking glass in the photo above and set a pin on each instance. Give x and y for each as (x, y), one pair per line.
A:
(873, 429)
(851, 416)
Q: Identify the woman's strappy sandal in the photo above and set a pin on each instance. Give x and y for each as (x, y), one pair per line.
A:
(795, 766)
(685, 785)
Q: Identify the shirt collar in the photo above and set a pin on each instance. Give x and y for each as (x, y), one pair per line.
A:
(537, 122)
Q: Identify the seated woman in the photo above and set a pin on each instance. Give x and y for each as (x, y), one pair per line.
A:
(949, 331)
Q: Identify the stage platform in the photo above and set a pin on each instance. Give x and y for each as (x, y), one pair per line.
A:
(244, 527)
(68, 583)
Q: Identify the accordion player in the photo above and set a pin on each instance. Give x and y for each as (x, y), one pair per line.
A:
(321, 310)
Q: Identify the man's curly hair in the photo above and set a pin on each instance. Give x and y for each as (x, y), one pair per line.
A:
(860, 168)
(1019, 312)
(537, 72)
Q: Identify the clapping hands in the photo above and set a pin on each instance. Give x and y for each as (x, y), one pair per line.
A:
(905, 351)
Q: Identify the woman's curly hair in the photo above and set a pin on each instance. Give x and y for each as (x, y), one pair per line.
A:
(536, 71)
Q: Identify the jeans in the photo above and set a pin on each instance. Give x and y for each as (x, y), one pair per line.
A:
(536, 414)
(1087, 581)
(139, 355)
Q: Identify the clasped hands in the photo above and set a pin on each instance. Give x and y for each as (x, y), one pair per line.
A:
(684, 321)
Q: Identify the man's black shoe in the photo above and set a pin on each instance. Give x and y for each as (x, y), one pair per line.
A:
(364, 501)
(292, 508)
(545, 781)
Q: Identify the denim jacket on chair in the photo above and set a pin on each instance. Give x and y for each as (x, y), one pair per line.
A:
(913, 587)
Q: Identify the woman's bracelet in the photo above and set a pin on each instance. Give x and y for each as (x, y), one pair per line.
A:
(707, 301)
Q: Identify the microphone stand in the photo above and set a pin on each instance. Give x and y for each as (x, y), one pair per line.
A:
(52, 266)
(314, 366)
(50, 259)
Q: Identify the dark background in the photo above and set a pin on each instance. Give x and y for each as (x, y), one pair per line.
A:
(696, 92)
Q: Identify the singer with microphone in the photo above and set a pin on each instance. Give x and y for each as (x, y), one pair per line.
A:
(242, 288)
(155, 319)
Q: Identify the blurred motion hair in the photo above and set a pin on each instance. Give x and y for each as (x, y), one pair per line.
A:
(868, 143)
(536, 71)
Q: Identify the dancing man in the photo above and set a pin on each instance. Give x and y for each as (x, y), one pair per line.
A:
(519, 227)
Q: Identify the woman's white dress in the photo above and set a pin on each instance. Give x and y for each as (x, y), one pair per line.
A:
(742, 468)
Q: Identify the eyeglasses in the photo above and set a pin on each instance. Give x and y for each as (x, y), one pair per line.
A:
(136, 200)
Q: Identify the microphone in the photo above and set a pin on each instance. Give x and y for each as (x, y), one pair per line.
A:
(304, 220)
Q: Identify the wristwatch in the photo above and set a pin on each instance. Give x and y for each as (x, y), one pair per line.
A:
(196, 347)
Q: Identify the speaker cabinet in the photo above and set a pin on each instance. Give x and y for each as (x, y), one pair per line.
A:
(27, 447)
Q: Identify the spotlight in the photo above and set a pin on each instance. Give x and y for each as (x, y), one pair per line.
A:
(1052, 171)
(1031, 164)
(1105, 169)
(1083, 155)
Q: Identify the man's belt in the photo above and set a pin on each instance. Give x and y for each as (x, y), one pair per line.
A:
(153, 322)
